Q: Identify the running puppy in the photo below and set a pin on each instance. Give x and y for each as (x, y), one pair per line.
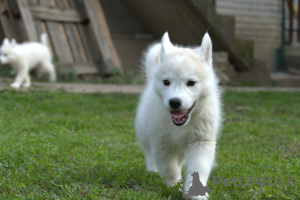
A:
(26, 56)
(179, 113)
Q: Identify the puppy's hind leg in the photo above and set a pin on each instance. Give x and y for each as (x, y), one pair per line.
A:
(169, 167)
(50, 70)
(39, 71)
(27, 82)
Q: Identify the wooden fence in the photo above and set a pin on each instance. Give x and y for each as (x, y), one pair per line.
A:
(77, 31)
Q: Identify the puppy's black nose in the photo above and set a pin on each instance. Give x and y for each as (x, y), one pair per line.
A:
(175, 103)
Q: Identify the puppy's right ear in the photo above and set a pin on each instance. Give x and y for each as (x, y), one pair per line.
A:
(166, 45)
(5, 41)
(13, 42)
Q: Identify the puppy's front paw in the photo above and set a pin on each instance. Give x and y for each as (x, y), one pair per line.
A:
(198, 198)
(15, 85)
(185, 195)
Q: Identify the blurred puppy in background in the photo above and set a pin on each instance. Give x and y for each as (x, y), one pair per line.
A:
(26, 56)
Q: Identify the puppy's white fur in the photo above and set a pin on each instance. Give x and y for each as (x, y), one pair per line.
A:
(26, 56)
(167, 146)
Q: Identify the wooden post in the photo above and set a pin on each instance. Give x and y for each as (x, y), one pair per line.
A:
(28, 20)
(298, 22)
(291, 18)
(102, 34)
(58, 37)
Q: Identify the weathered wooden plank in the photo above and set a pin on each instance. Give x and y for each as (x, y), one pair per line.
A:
(85, 69)
(102, 34)
(58, 38)
(28, 20)
(19, 28)
(32, 2)
(85, 35)
(13, 7)
(12, 26)
(36, 21)
(78, 68)
(39, 25)
(3, 7)
(55, 14)
(76, 48)
(79, 53)
(2, 35)
(5, 22)
(7, 27)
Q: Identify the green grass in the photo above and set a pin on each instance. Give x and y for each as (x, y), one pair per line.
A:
(82, 146)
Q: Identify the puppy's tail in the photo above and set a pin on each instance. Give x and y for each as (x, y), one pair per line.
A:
(43, 39)
(150, 60)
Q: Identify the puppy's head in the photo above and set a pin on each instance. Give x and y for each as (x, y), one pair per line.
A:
(6, 51)
(181, 76)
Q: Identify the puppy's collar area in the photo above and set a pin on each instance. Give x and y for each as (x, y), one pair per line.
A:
(180, 117)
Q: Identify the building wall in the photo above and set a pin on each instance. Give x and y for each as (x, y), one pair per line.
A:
(259, 21)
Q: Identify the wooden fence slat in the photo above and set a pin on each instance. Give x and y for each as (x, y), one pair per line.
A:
(13, 7)
(55, 14)
(102, 34)
(36, 21)
(79, 53)
(85, 69)
(76, 48)
(91, 49)
(5, 21)
(58, 38)
(7, 28)
(28, 20)
(41, 26)
(3, 7)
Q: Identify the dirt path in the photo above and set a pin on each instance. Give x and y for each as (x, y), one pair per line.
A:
(130, 89)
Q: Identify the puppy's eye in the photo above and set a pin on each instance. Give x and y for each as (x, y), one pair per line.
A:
(166, 82)
(190, 83)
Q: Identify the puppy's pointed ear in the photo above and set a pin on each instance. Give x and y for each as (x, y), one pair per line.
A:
(13, 42)
(205, 50)
(166, 45)
(5, 41)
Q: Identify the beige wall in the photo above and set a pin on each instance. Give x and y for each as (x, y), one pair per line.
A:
(256, 20)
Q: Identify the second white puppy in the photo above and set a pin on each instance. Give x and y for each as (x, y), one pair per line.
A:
(26, 56)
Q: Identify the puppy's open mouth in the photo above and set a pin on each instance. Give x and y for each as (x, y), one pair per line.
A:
(179, 117)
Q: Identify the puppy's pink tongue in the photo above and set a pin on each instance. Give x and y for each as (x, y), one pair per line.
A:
(178, 114)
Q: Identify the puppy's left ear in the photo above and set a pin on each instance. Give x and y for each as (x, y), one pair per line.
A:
(5, 41)
(205, 50)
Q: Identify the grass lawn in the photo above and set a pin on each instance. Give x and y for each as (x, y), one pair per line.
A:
(82, 146)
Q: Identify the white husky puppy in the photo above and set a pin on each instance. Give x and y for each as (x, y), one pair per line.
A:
(179, 113)
(26, 56)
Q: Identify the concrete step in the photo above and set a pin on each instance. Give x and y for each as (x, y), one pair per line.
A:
(240, 50)
(186, 23)
(285, 79)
